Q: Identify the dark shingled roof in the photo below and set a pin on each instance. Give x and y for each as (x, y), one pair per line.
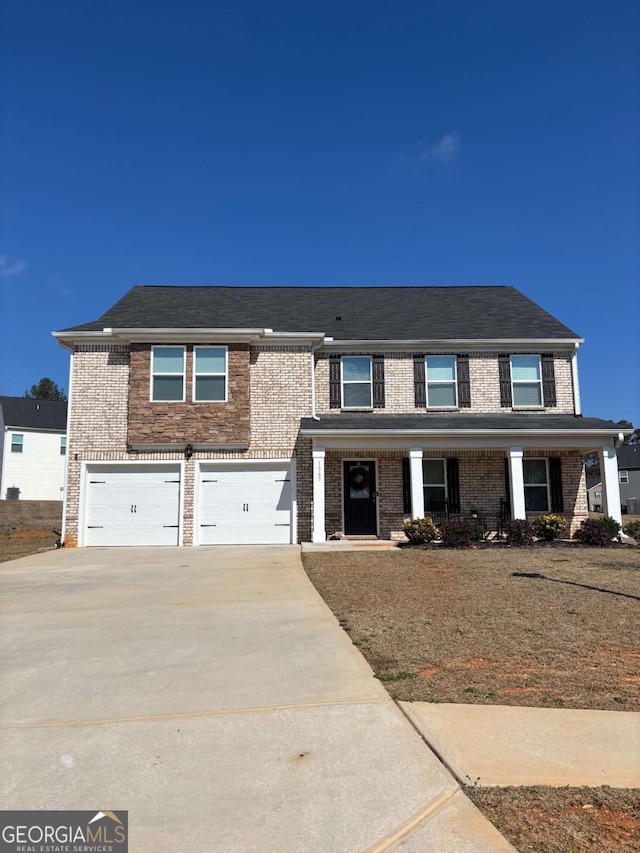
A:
(345, 313)
(628, 456)
(455, 421)
(34, 414)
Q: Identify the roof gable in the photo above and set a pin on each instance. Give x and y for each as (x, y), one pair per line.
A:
(344, 313)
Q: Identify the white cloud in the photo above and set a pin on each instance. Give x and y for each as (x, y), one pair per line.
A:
(446, 150)
(7, 269)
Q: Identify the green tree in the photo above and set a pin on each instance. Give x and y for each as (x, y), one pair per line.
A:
(634, 438)
(46, 389)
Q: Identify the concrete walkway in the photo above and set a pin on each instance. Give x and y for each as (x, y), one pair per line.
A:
(212, 694)
(500, 745)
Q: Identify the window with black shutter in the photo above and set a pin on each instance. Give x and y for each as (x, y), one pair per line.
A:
(335, 400)
(419, 385)
(377, 366)
(548, 381)
(464, 383)
(504, 368)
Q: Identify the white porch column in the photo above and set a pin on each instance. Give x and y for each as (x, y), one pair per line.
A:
(417, 482)
(516, 478)
(319, 532)
(610, 482)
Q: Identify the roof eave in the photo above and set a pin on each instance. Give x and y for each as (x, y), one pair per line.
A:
(183, 335)
(452, 343)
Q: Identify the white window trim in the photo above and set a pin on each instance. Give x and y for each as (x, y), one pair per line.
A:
(225, 374)
(526, 381)
(623, 472)
(436, 485)
(440, 381)
(20, 444)
(354, 382)
(538, 485)
(152, 373)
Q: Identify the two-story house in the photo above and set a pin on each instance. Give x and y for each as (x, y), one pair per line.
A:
(33, 448)
(219, 415)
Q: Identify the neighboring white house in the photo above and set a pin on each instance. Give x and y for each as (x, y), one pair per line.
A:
(33, 449)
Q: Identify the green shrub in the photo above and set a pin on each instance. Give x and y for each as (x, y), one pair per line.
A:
(632, 528)
(598, 532)
(518, 531)
(420, 530)
(460, 533)
(549, 526)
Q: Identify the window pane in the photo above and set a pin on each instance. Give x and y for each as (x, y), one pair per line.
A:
(210, 388)
(535, 499)
(356, 395)
(525, 367)
(210, 360)
(434, 497)
(356, 369)
(441, 367)
(167, 388)
(16, 443)
(527, 395)
(535, 470)
(441, 395)
(168, 360)
(433, 471)
(63, 446)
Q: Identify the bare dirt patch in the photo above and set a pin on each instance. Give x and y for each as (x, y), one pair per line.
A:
(26, 527)
(563, 820)
(530, 626)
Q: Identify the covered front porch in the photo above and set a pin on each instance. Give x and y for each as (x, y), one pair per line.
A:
(373, 472)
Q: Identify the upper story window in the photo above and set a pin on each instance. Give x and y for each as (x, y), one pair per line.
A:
(442, 389)
(210, 374)
(17, 441)
(526, 380)
(167, 374)
(624, 476)
(357, 385)
(63, 445)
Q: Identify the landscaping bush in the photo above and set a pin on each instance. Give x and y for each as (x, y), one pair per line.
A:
(420, 530)
(549, 526)
(460, 533)
(632, 529)
(599, 532)
(518, 531)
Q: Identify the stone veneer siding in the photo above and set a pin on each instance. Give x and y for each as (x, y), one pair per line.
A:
(189, 422)
(484, 383)
(280, 394)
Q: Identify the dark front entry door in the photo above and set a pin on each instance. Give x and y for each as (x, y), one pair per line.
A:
(360, 499)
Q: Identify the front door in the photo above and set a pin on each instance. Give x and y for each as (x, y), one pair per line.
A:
(360, 499)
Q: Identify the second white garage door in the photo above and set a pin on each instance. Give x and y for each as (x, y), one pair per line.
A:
(248, 505)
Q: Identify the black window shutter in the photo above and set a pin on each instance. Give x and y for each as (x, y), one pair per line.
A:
(555, 481)
(548, 381)
(377, 368)
(419, 382)
(453, 484)
(464, 385)
(504, 367)
(507, 482)
(335, 400)
(406, 487)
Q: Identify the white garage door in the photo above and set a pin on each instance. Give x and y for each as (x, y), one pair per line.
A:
(132, 505)
(251, 505)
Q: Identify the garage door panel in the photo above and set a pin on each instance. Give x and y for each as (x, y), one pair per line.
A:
(132, 505)
(249, 505)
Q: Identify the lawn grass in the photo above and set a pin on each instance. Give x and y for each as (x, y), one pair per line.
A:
(548, 626)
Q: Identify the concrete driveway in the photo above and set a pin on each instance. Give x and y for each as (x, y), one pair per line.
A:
(211, 693)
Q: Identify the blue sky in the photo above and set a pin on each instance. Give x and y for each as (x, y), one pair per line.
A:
(244, 143)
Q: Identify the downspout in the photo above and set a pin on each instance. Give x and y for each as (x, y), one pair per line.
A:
(577, 407)
(314, 350)
(67, 456)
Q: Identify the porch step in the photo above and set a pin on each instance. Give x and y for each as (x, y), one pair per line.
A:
(351, 545)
